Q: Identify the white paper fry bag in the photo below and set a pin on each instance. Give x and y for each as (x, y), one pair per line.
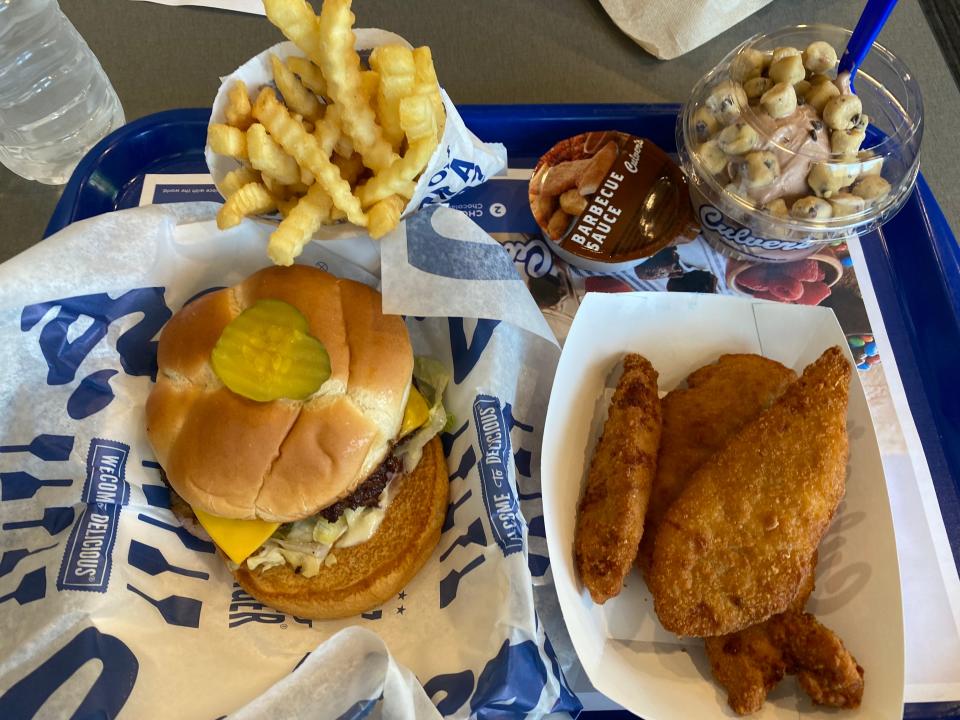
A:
(94, 566)
(460, 161)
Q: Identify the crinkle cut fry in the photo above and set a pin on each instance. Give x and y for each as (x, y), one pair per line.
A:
(296, 229)
(341, 68)
(324, 40)
(306, 150)
(398, 178)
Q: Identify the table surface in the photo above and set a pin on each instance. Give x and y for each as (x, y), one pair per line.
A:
(495, 51)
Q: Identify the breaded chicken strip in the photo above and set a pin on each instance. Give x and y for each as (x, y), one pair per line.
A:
(699, 419)
(751, 662)
(611, 511)
(734, 548)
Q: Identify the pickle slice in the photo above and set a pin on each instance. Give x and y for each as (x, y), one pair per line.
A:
(267, 353)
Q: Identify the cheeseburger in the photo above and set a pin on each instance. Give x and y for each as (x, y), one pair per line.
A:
(298, 433)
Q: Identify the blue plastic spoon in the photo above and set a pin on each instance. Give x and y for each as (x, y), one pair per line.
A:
(874, 15)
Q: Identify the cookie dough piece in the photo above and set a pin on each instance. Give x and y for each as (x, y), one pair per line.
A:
(760, 169)
(705, 124)
(780, 101)
(788, 70)
(782, 52)
(827, 178)
(755, 87)
(748, 64)
(811, 208)
(777, 208)
(843, 112)
(738, 139)
(712, 157)
(847, 142)
(870, 164)
(727, 101)
(820, 94)
(871, 188)
(819, 57)
(846, 204)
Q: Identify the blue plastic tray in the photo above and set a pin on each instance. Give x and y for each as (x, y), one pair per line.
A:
(914, 260)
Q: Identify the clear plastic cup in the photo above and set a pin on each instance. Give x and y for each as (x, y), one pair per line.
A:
(738, 211)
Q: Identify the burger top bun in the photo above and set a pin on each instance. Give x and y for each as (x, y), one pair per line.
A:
(286, 459)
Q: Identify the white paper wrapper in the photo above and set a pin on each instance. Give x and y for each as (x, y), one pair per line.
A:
(94, 565)
(670, 28)
(460, 161)
(624, 650)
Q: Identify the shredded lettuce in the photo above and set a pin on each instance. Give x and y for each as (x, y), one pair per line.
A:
(306, 544)
(432, 379)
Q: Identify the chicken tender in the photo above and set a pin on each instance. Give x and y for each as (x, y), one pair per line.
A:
(751, 662)
(614, 503)
(826, 670)
(699, 419)
(735, 546)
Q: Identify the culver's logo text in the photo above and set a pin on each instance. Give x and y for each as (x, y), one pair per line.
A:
(713, 220)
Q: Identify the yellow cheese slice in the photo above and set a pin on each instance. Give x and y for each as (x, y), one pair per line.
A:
(237, 538)
(415, 414)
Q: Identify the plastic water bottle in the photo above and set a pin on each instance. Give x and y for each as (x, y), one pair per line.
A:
(55, 100)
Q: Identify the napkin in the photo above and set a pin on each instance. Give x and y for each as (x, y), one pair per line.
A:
(253, 7)
(670, 28)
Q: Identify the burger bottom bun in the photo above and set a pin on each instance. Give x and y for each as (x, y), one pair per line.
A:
(367, 575)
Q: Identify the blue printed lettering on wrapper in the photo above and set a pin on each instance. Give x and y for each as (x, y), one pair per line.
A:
(87, 559)
(451, 179)
(136, 347)
(106, 471)
(88, 556)
(184, 192)
(501, 504)
(107, 695)
(494, 204)
(244, 608)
